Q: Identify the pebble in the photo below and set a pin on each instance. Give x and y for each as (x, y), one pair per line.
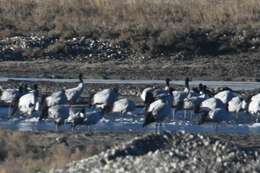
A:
(180, 152)
(80, 48)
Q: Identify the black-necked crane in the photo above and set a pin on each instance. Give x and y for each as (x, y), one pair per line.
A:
(59, 113)
(124, 106)
(73, 94)
(193, 103)
(56, 98)
(179, 96)
(105, 99)
(151, 94)
(157, 112)
(210, 105)
(86, 118)
(225, 96)
(11, 97)
(254, 106)
(29, 103)
(236, 105)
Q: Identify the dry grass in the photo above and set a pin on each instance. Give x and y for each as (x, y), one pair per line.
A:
(25, 152)
(118, 16)
(27, 155)
(153, 22)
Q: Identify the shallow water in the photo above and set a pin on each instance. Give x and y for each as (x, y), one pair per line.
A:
(236, 85)
(132, 123)
(115, 122)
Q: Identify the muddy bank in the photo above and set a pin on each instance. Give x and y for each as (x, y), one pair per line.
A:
(242, 67)
(53, 56)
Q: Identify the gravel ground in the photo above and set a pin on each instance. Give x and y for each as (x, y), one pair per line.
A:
(35, 55)
(181, 152)
(80, 48)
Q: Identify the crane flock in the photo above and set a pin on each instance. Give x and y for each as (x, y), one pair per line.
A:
(160, 104)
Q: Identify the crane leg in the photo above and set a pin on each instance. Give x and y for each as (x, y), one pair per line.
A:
(173, 115)
(15, 109)
(56, 127)
(9, 110)
(191, 115)
(90, 132)
(257, 117)
(161, 128)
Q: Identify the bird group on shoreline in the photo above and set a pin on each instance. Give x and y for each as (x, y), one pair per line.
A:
(160, 104)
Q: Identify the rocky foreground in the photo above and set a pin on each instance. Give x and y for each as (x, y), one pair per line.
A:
(181, 152)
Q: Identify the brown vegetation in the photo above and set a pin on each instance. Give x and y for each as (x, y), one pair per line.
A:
(25, 152)
(148, 25)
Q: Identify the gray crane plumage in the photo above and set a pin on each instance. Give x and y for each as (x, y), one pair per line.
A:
(105, 99)
(59, 113)
(124, 106)
(158, 111)
(73, 94)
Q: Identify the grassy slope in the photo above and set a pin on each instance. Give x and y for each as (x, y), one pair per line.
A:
(148, 25)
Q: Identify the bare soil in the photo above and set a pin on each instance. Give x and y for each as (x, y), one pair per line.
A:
(244, 67)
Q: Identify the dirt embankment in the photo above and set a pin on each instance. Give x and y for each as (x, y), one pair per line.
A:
(245, 67)
(44, 56)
